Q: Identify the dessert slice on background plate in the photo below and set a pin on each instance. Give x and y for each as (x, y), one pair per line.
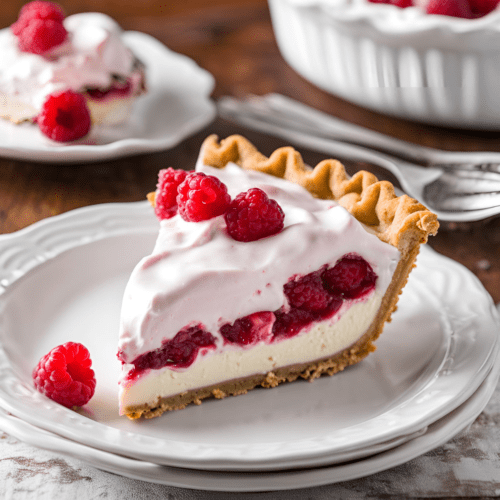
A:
(264, 271)
(45, 53)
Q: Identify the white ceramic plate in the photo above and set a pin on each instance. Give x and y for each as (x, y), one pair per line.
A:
(177, 105)
(434, 436)
(62, 279)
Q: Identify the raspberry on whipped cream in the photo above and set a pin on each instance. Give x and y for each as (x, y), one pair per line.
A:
(83, 53)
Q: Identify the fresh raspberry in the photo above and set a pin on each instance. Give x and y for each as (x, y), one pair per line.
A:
(37, 10)
(453, 8)
(480, 8)
(41, 35)
(64, 116)
(169, 180)
(65, 375)
(351, 277)
(249, 329)
(307, 292)
(201, 197)
(252, 215)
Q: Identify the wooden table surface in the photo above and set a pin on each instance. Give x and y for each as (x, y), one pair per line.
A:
(236, 44)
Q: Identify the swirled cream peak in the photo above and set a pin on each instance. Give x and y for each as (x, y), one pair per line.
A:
(93, 53)
(198, 273)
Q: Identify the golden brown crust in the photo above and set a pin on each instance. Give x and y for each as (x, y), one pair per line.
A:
(400, 221)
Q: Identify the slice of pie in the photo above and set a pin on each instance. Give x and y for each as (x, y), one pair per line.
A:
(92, 59)
(290, 273)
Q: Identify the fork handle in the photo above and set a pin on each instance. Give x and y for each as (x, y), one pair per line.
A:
(279, 108)
(345, 131)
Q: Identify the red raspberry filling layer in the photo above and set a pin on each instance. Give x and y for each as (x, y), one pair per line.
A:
(351, 277)
(250, 329)
(116, 90)
(313, 297)
(179, 352)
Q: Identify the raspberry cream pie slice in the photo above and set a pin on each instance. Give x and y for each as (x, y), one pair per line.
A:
(44, 53)
(264, 271)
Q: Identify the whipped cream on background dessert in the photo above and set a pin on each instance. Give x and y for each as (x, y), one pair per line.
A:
(93, 57)
(198, 274)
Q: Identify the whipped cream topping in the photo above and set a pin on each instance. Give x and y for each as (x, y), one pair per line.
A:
(198, 274)
(93, 52)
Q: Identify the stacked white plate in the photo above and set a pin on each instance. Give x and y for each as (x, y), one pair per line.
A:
(62, 280)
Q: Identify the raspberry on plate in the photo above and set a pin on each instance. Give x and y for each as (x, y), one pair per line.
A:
(64, 117)
(201, 197)
(252, 215)
(65, 375)
(169, 180)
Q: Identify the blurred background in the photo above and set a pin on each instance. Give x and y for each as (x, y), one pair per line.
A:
(121, 10)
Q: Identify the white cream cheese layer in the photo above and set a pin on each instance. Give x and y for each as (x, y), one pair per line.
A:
(93, 52)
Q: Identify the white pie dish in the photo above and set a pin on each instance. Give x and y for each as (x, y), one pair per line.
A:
(435, 69)
(410, 382)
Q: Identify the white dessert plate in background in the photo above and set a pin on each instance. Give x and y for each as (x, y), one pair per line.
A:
(62, 280)
(176, 106)
(434, 436)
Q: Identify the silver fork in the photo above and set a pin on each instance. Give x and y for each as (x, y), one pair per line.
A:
(457, 186)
